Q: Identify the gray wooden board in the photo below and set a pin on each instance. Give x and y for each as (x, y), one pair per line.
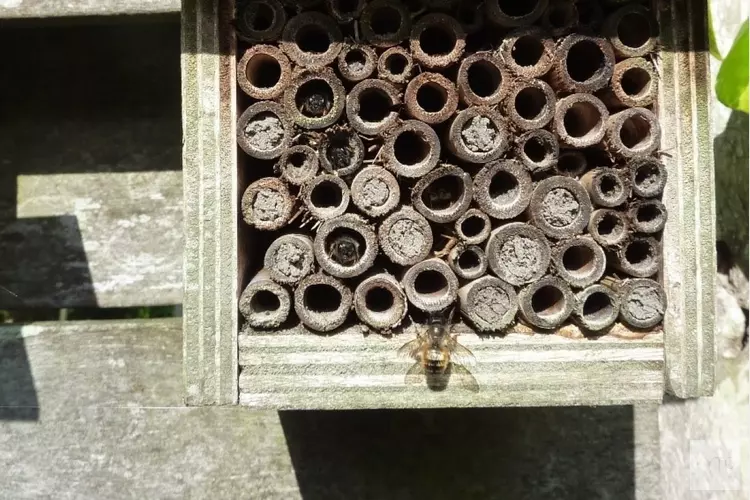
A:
(111, 425)
(90, 184)
(12, 9)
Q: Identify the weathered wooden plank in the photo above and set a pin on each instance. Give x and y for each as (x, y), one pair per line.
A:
(111, 425)
(14, 9)
(690, 233)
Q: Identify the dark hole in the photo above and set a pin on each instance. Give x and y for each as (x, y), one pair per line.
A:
(581, 118)
(548, 301)
(385, 21)
(263, 71)
(314, 98)
(374, 105)
(297, 160)
(430, 282)
(635, 131)
(443, 192)
(346, 6)
(313, 39)
(484, 78)
(468, 13)
(355, 59)
(436, 41)
(326, 194)
(634, 30)
(562, 15)
(261, 16)
(648, 213)
(503, 187)
(410, 148)
(588, 13)
(530, 103)
(610, 186)
(535, 149)
(378, 299)
(396, 64)
(639, 252)
(517, 8)
(598, 307)
(571, 163)
(609, 226)
(414, 6)
(345, 246)
(343, 150)
(647, 175)
(635, 82)
(321, 298)
(527, 51)
(264, 301)
(472, 226)
(584, 60)
(578, 259)
(468, 260)
(431, 97)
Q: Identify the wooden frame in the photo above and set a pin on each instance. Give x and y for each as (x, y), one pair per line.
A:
(293, 369)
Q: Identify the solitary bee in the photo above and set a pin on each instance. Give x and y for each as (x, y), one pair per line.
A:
(345, 250)
(438, 356)
(315, 105)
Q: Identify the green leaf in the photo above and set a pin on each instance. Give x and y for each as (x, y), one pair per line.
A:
(712, 47)
(732, 80)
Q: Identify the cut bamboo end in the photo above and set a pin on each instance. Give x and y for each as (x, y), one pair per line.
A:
(395, 65)
(345, 11)
(518, 253)
(538, 150)
(488, 303)
(609, 228)
(482, 79)
(560, 17)
(263, 72)
(643, 302)
(590, 15)
(431, 98)
(528, 52)
(315, 99)
(326, 196)
(322, 302)
(345, 246)
(341, 151)
(372, 107)
(633, 132)
(264, 131)
(579, 261)
(264, 303)
(430, 285)
(648, 176)
(437, 41)
(405, 237)
(385, 23)
(473, 227)
(380, 302)
(443, 194)
(468, 262)
(546, 303)
(560, 207)
(478, 135)
(357, 62)
(639, 257)
(607, 187)
(582, 64)
(289, 258)
(513, 14)
(411, 149)
(299, 164)
(631, 30)
(571, 163)
(648, 216)
(596, 308)
(634, 84)
(503, 189)
(580, 120)
(312, 40)
(375, 191)
(530, 104)
(261, 21)
(471, 16)
(267, 204)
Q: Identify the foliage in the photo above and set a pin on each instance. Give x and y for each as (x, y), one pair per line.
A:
(732, 80)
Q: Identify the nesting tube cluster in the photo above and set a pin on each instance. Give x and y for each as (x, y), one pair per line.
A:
(408, 156)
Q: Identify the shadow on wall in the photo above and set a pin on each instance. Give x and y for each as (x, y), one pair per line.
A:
(504, 453)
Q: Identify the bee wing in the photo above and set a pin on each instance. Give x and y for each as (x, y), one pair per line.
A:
(411, 348)
(463, 377)
(459, 353)
(415, 375)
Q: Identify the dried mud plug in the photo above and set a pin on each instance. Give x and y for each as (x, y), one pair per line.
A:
(518, 253)
(405, 237)
(325, 196)
(267, 204)
(503, 189)
(264, 131)
(546, 303)
(315, 99)
(345, 246)
(560, 207)
(488, 303)
(375, 191)
(596, 308)
(380, 302)
(263, 72)
(643, 302)
(478, 135)
(443, 195)
(264, 303)
(430, 285)
(322, 302)
(290, 258)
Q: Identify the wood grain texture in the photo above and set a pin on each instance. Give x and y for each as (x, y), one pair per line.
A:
(690, 233)
(211, 203)
(15, 9)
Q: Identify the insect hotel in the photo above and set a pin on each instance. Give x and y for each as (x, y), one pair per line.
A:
(514, 197)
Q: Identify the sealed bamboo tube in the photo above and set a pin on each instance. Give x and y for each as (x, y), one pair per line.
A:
(503, 189)
(546, 303)
(289, 258)
(325, 196)
(634, 84)
(322, 302)
(560, 207)
(647, 216)
(443, 194)
(263, 72)
(609, 228)
(356, 62)
(478, 135)
(385, 23)
(596, 308)
(405, 237)
(518, 253)
(430, 285)
(515, 14)
(312, 40)
(530, 104)
(648, 176)
(607, 187)
(437, 41)
(380, 302)
(299, 164)
(372, 107)
(482, 79)
(633, 132)
(580, 120)
(473, 227)
(639, 257)
(411, 149)
(267, 204)
(488, 303)
(395, 65)
(315, 99)
(528, 52)
(345, 246)
(261, 21)
(468, 262)
(582, 64)
(642, 302)
(375, 191)
(631, 30)
(264, 303)
(538, 150)
(264, 130)
(580, 261)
